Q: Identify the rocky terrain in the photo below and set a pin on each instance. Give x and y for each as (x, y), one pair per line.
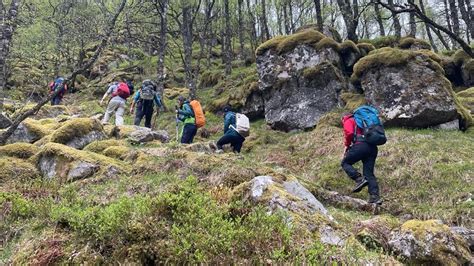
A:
(75, 191)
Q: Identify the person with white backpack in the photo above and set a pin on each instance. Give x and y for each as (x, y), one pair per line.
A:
(236, 128)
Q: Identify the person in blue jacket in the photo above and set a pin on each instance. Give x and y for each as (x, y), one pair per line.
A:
(231, 136)
(185, 114)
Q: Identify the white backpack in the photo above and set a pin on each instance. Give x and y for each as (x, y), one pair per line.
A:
(242, 125)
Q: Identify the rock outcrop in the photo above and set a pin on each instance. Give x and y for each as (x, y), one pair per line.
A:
(408, 86)
(79, 132)
(300, 79)
(28, 131)
(429, 242)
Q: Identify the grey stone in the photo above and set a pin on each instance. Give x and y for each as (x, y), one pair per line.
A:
(452, 125)
(467, 73)
(23, 134)
(82, 170)
(411, 95)
(81, 141)
(47, 166)
(466, 233)
(143, 134)
(4, 121)
(293, 98)
(329, 236)
(296, 189)
(259, 184)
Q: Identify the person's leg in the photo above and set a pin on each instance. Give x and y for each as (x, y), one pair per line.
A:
(148, 114)
(237, 142)
(111, 107)
(193, 132)
(226, 139)
(119, 113)
(139, 114)
(368, 170)
(353, 155)
(186, 137)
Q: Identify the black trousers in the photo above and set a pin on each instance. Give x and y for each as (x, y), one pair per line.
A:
(367, 154)
(144, 109)
(235, 141)
(189, 131)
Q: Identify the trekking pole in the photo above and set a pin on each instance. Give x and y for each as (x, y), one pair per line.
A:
(177, 125)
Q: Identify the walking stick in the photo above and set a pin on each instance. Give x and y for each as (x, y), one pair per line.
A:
(177, 124)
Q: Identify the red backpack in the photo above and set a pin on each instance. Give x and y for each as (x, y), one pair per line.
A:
(122, 91)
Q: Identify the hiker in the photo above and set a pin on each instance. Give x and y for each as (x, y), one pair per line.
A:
(359, 147)
(110, 90)
(130, 86)
(144, 99)
(60, 85)
(231, 136)
(117, 103)
(185, 114)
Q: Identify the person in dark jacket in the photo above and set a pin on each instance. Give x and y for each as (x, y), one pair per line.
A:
(59, 84)
(231, 136)
(186, 115)
(358, 150)
(144, 107)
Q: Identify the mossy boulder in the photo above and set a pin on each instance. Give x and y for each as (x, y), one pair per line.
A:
(79, 132)
(409, 87)
(466, 98)
(17, 169)
(66, 164)
(429, 242)
(19, 150)
(465, 65)
(413, 44)
(28, 131)
(101, 145)
(375, 232)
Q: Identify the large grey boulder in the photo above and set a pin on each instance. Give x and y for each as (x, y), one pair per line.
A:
(26, 132)
(299, 86)
(79, 132)
(82, 170)
(4, 121)
(408, 87)
(429, 242)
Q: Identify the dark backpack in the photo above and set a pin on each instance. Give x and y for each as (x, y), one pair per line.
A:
(148, 90)
(122, 91)
(367, 119)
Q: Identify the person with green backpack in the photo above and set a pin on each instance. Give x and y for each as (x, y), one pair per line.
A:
(144, 100)
(363, 132)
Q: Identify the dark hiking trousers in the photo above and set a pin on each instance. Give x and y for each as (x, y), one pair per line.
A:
(367, 154)
(189, 131)
(235, 141)
(144, 109)
(56, 100)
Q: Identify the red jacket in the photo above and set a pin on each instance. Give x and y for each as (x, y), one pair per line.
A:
(51, 89)
(349, 125)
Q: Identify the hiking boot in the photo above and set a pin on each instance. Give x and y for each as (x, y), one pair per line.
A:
(219, 151)
(360, 184)
(374, 199)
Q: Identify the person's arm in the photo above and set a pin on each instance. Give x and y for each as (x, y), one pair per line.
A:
(186, 111)
(135, 99)
(349, 125)
(106, 94)
(158, 102)
(227, 122)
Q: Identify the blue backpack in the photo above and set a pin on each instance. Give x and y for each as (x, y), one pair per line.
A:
(58, 85)
(367, 119)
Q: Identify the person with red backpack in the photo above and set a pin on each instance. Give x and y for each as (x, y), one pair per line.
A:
(59, 84)
(117, 104)
(363, 131)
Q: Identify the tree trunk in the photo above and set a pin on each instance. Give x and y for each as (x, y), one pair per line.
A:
(470, 12)
(350, 17)
(187, 35)
(379, 20)
(285, 18)
(467, 19)
(446, 13)
(227, 40)
(428, 28)
(319, 16)
(396, 21)
(7, 29)
(241, 30)
(263, 19)
(290, 10)
(160, 68)
(412, 25)
(454, 16)
(253, 31)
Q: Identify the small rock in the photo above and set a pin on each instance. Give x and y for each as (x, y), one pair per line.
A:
(143, 134)
(82, 170)
(467, 234)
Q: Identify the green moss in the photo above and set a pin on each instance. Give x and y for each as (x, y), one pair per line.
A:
(17, 169)
(385, 41)
(75, 128)
(327, 43)
(210, 78)
(388, 57)
(100, 146)
(283, 44)
(466, 93)
(19, 150)
(36, 128)
(365, 48)
(460, 57)
(349, 46)
(421, 228)
(352, 100)
(313, 72)
(408, 42)
(117, 152)
(468, 66)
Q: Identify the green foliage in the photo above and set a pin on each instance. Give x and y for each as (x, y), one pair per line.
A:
(16, 206)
